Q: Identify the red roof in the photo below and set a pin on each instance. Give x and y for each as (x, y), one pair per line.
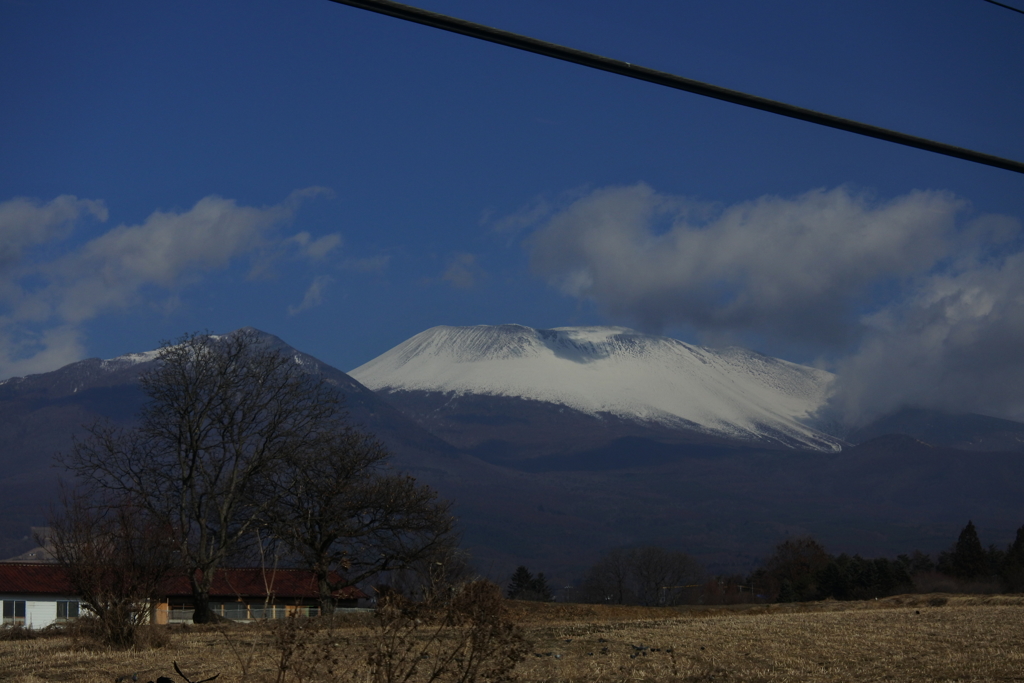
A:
(24, 577)
(49, 579)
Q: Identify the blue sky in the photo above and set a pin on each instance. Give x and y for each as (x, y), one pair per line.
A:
(346, 180)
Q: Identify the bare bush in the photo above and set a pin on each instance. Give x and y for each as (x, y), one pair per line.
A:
(115, 556)
(454, 634)
(457, 638)
(16, 632)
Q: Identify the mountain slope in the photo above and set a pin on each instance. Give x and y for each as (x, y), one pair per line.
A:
(967, 432)
(613, 372)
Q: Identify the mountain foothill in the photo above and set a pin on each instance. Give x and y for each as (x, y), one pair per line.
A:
(559, 445)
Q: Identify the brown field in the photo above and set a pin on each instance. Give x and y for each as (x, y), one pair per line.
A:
(904, 638)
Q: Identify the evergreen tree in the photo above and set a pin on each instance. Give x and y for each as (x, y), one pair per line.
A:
(834, 579)
(968, 559)
(525, 586)
(1016, 549)
(521, 582)
(786, 591)
(916, 563)
(539, 588)
(1012, 569)
(856, 578)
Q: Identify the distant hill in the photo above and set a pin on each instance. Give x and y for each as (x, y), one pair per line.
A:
(969, 432)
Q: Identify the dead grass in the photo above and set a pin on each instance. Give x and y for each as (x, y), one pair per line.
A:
(905, 638)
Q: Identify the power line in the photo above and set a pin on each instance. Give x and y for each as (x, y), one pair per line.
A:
(520, 42)
(1021, 11)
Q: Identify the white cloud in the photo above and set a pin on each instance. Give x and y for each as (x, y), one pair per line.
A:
(44, 302)
(110, 270)
(34, 353)
(526, 217)
(313, 296)
(790, 269)
(27, 222)
(956, 343)
(316, 249)
(371, 264)
(463, 271)
(919, 308)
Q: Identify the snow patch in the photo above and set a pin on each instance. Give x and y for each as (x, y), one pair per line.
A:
(730, 392)
(134, 358)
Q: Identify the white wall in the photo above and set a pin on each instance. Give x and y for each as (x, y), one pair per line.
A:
(40, 611)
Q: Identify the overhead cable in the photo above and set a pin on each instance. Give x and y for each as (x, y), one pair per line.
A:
(1021, 11)
(520, 42)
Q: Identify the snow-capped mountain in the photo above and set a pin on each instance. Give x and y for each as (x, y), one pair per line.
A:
(568, 480)
(612, 372)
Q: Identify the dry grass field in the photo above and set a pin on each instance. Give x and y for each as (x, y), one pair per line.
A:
(904, 638)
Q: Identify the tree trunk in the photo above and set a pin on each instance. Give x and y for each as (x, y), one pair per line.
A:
(200, 584)
(202, 614)
(326, 594)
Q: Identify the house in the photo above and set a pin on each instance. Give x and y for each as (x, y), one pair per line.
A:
(41, 553)
(36, 595)
(247, 594)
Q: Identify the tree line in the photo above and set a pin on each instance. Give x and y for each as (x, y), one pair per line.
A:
(624, 576)
(239, 455)
(799, 569)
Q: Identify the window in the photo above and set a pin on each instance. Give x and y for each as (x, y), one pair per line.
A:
(67, 609)
(14, 611)
(236, 611)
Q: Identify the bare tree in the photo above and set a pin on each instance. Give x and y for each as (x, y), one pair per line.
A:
(346, 516)
(222, 414)
(662, 577)
(115, 556)
(791, 572)
(641, 576)
(609, 580)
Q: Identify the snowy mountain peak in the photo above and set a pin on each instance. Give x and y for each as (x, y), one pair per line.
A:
(614, 370)
(135, 358)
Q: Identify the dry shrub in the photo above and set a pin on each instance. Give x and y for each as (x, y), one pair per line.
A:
(85, 629)
(313, 649)
(93, 632)
(465, 635)
(455, 635)
(16, 632)
(151, 637)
